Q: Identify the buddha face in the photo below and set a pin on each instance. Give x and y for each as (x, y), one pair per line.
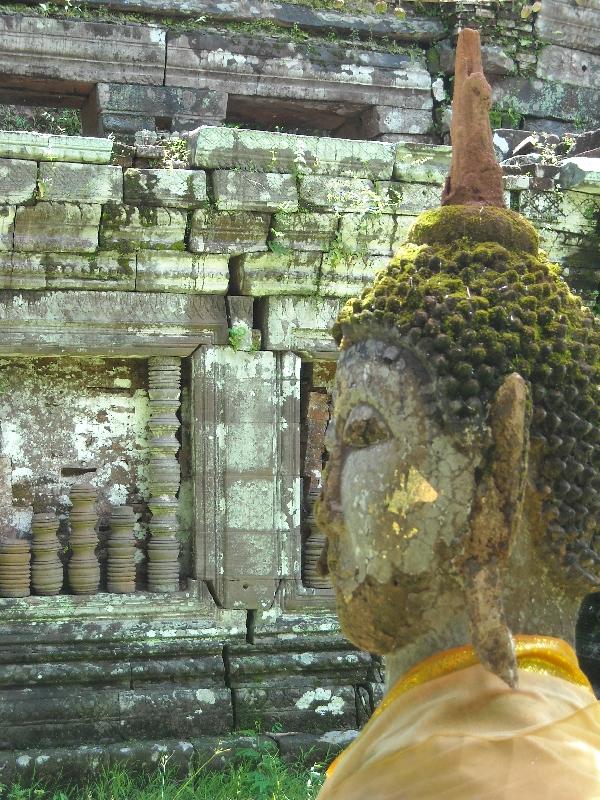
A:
(396, 500)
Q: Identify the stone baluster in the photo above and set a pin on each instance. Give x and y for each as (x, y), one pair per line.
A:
(164, 379)
(121, 551)
(84, 569)
(15, 570)
(46, 569)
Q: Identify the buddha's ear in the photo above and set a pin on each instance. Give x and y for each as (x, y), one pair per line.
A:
(493, 524)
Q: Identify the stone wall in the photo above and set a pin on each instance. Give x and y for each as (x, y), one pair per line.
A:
(233, 267)
(349, 72)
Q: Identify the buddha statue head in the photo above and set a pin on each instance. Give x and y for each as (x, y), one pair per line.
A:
(461, 498)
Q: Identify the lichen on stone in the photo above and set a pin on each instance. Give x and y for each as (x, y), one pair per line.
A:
(474, 311)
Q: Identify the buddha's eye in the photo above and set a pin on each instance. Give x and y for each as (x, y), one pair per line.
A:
(364, 427)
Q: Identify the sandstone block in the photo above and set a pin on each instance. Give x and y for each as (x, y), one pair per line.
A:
(301, 324)
(382, 121)
(261, 275)
(573, 212)
(346, 274)
(496, 60)
(218, 148)
(581, 174)
(80, 183)
(336, 194)
(565, 65)
(127, 228)
(50, 147)
(422, 163)
(407, 198)
(232, 232)
(549, 100)
(102, 272)
(570, 25)
(367, 233)
(17, 180)
(182, 273)
(254, 191)
(174, 188)
(7, 220)
(304, 230)
(57, 228)
(42, 47)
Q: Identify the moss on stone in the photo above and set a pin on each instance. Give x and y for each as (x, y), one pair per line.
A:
(477, 224)
(473, 312)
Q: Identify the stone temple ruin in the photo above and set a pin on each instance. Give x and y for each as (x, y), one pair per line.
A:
(165, 356)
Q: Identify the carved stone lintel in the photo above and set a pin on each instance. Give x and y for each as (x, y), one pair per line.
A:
(84, 569)
(47, 569)
(164, 382)
(121, 551)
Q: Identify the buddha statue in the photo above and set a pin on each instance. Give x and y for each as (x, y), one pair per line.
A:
(462, 496)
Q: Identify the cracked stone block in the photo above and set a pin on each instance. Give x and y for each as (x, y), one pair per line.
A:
(265, 274)
(381, 121)
(367, 233)
(254, 191)
(348, 274)
(52, 147)
(182, 273)
(174, 188)
(18, 180)
(19, 271)
(570, 25)
(335, 194)
(57, 228)
(219, 148)
(301, 324)
(304, 230)
(80, 183)
(7, 220)
(233, 232)
(407, 198)
(127, 228)
(581, 174)
(422, 163)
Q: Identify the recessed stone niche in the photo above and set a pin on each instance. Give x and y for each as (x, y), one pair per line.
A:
(68, 420)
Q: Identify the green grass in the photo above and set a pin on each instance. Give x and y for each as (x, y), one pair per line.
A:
(259, 774)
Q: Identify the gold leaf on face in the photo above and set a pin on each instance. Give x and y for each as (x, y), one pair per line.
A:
(416, 489)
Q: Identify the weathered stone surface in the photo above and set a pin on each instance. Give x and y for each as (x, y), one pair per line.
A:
(57, 228)
(175, 711)
(496, 61)
(398, 197)
(261, 275)
(383, 120)
(301, 324)
(335, 194)
(110, 324)
(105, 271)
(7, 219)
(49, 147)
(422, 163)
(574, 212)
(243, 403)
(312, 710)
(17, 180)
(80, 183)
(366, 233)
(164, 271)
(536, 98)
(128, 105)
(310, 749)
(304, 230)
(347, 274)
(218, 148)
(569, 24)
(127, 228)
(569, 66)
(232, 232)
(174, 188)
(254, 191)
(270, 67)
(581, 174)
(42, 47)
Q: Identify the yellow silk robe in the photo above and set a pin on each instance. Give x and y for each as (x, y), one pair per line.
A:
(451, 730)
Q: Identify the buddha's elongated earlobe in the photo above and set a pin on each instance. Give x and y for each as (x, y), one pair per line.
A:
(493, 524)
